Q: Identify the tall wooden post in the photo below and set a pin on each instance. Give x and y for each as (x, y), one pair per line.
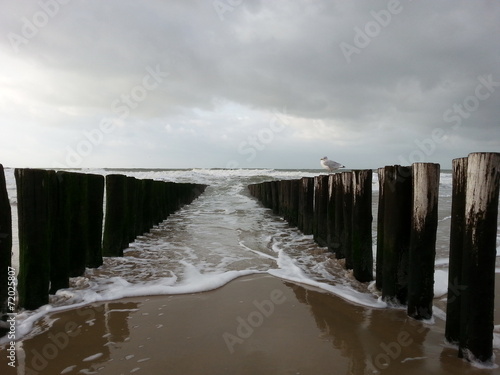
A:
(362, 253)
(78, 220)
(116, 215)
(320, 227)
(379, 272)
(5, 242)
(425, 193)
(147, 205)
(479, 256)
(294, 202)
(34, 201)
(95, 199)
(397, 224)
(330, 215)
(457, 230)
(306, 204)
(339, 220)
(346, 243)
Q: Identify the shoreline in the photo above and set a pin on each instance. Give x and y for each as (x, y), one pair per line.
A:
(253, 324)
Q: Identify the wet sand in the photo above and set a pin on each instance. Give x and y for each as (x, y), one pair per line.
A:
(253, 325)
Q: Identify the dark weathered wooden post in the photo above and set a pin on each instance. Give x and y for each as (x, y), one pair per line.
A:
(147, 205)
(320, 224)
(272, 196)
(397, 224)
(379, 272)
(294, 202)
(60, 240)
(306, 204)
(457, 230)
(34, 200)
(95, 197)
(283, 189)
(131, 208)
(346, 243)
(339, 222)
(78, 221)
(425, 193)
(116, 215)
(479, 255)
(5, 242)
(139, 202)
(362, 253)
(330, 215)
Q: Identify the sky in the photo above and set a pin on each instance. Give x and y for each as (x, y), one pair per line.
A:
(247, 83)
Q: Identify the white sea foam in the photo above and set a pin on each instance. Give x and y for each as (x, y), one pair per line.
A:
(223, 235)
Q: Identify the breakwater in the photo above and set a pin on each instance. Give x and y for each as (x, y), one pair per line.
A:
(334, 209)
(68, 221)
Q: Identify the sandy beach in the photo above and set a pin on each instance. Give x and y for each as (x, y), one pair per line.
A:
(253, 325)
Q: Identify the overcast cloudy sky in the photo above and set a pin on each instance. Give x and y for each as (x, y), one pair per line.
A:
(247, 83)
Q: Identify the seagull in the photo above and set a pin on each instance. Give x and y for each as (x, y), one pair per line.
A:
(330, 165)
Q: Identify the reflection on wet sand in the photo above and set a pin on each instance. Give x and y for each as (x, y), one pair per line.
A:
(362, 334)
(76, 340)
(253, 325)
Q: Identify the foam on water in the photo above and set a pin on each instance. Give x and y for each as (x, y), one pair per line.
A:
(223, 235)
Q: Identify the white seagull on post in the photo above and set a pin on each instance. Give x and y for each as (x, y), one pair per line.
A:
(330, 165)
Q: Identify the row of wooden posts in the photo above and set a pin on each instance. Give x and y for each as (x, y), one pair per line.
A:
(61, 216)
(337, 210)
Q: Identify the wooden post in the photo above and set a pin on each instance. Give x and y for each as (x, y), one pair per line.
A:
(139, 197)
(479, 256)
(362, 253)
(5, 243)
(320, 224)
(397, 224)
(60, 241)
(116, 215)
(132, 206)
(33, 203)
(425, 181)
(147, 205)
(346, 243)
(330, 215)
(272, 196)
(306, 204)
(339, 222)
(78, 221)
(379, 272)
(95, 197)
(457, 230)
(294, 202)
(282, 198)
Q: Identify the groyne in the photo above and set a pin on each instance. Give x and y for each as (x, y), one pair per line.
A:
(336, 210)
(65, 228)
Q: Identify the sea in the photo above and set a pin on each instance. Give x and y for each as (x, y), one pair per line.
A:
(225, 234)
